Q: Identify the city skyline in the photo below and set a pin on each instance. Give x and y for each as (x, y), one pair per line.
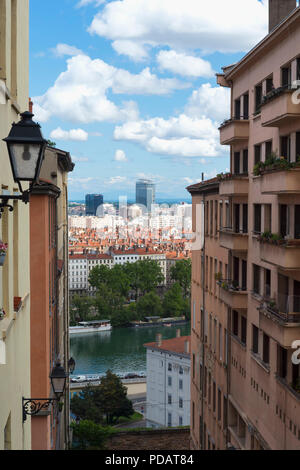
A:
(148, 106)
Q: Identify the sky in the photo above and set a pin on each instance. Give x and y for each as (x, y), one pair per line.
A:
(128, 87)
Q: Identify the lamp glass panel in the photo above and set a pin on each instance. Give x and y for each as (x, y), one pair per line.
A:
(24, 160)
(58, 385)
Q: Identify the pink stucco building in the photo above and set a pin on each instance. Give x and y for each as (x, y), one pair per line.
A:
(245, 393)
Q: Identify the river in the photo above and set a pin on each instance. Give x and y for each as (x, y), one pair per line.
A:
(121, 350)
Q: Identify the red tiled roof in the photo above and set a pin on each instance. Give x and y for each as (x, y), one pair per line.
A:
(176, 345)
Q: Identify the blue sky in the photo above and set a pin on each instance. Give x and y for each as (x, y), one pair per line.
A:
(128, 87)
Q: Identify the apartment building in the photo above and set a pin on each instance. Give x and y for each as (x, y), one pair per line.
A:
(168, 381)
(49, 296)
(14, 231)
(257, 293)
(81, 264)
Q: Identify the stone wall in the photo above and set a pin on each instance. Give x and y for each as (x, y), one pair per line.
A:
(154, 439)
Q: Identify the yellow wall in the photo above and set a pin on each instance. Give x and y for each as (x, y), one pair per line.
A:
(14, 229)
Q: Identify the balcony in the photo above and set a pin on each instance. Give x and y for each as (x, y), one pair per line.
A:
(234, 131)
(233, 296)
(235, 241)
(284, 254)
(278, 109)
(233, 185)
(281, 181)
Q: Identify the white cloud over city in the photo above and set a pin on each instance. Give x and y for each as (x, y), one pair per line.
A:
(217, 25)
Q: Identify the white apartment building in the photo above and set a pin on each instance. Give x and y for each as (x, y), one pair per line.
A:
(80, 265)
(168, 381)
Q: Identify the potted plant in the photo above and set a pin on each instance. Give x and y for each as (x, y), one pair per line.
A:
(3, 251)
(2, 313)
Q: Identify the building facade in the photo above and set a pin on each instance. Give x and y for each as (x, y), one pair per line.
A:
(168, 381)
(256, 272)
(145, 193)
(49, 296)
(14, 231)
(92, 202)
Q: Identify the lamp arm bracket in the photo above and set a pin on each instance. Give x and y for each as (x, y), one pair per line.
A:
(32, 406)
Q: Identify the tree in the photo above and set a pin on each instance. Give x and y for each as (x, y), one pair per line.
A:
(173, 303)
(51, 144)
(181, 272)
(87, 405)
(99, 275)
(81, 305)
(149, 305)
(89, 435)
(150, 275)
(113, 397)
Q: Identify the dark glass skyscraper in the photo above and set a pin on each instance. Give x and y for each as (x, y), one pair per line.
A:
(145, 193)
(92, 202)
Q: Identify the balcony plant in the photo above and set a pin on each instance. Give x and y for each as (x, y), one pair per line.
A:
(3, 251)
(296, 385)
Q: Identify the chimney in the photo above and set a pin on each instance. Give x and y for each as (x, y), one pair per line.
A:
(178, 333)
(30, 106)
(187, 347)
(158, 339)
(279, 10)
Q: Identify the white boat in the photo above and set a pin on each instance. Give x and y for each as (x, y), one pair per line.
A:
(90, 327)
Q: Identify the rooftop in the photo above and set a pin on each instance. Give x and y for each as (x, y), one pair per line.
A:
(175, 345)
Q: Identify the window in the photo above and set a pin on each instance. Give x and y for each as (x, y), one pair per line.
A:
(246, 105)
(257, 218)
(237, 109)
(180, 421)
(256, 279)
(269, 84)
(214, 396)
(286, 76)
(169, 366)
(255, 339)
(266, 349)
(235, 323)
(243, 330)
(180, 403)
(285, 147)
(268, 148)
(245, 161)
(281, 361)
(169, 381)
(257, 154)
(258, 97)
(169, 420)
(236, 163)
(219, 404)
(169, 399)
(180, 384)
(180, 370)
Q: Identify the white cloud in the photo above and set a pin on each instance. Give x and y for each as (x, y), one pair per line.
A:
(120, 156)
(64, 49)
(215, 25)
(79, 159)
(209, 101)
(116, 180)
(135, 51)
(73, 134)
(84, 3)
(80, 93)
(185, 65)
(193, 133)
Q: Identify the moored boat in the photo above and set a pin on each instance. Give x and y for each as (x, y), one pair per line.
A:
(90, 327)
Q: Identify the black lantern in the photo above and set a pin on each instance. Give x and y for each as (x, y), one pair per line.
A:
(58, 378)
(71, 365)
(32, 406)
(26, 148)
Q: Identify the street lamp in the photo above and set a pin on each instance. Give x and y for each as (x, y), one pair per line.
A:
(32, 406)
(71, 365)
(26, 148)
